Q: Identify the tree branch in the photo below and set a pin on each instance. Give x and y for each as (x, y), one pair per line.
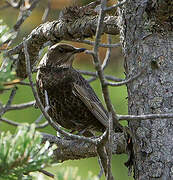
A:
(98, 67)
(94, 74)
(74, 149)
(115, 5)
(144, 117)
(62, 29)
(101, 45)
(20, 106)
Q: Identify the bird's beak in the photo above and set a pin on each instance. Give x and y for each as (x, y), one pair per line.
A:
(79, 50)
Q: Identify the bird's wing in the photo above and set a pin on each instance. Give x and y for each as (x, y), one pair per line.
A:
(89, 98)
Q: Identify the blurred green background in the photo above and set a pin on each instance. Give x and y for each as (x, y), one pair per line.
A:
(84, 62)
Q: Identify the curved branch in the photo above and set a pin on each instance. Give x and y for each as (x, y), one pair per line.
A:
(62, 29)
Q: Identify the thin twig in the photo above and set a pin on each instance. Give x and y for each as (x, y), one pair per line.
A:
(20, 106)
(11, 97)
(13, 123)
(98, 65)
(92, 4)
(100, 45)
(115, 5)
(14, 4)
(101, 168)
(17, 82)
(144, 117)
(108, 77)
(9, 122)
(43, 125)
(47, 173)
(92, 79)
(108, 54)
(46, 108)
(126, 81)
(120, 118)
(46, 12)
(102, 158)
(109, 147)
(25, 83)
(24, 14)
(5, 108)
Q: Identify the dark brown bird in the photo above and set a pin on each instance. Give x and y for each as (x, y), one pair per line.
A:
(73, 103)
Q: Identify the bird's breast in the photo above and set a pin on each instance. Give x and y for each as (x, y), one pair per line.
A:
(57, 81)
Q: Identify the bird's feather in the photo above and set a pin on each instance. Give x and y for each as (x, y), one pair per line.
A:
(93, 104)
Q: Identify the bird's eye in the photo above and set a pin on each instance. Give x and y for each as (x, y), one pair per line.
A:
(61, 50)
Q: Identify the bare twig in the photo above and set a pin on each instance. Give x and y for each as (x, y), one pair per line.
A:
(17, 82)
(98, 65)
(115, 5)
(100, 45)
(92, 79)
(24, 14)
(93, 4)
(109, 147)
(39, 118)
(13, 93)
(46, 12)
(105, 159)
(101, 168)
(47, 173)
(108, 54)
(108, 77)
(20, 106)
(24, 83)
(46, 108)
(13, 123)
(9, 122)
(126, 81)
(43, 125)
(14, 4)
(102, 158)
(120, 118)
(144, 117)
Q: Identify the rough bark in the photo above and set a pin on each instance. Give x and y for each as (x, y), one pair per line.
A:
(74, 23)
(147, 41)
(73, 149)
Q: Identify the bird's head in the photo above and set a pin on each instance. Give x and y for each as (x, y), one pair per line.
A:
(62, 55)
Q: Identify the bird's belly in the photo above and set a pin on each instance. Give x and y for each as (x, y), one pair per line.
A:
(70, 112)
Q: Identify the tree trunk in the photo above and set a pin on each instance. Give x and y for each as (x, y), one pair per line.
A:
(147, 38)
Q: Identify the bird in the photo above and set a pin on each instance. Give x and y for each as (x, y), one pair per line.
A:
(73, 104)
